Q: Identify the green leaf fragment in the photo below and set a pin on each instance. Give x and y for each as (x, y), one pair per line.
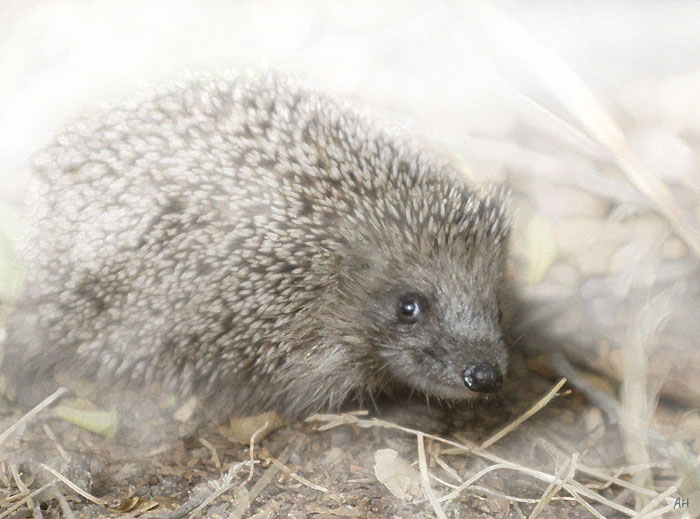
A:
(98, 421)
(540, 248)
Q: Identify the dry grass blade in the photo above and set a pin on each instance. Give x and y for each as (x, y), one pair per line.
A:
(544, 500)
(449, 497)
(583, 104)
(297, 477)
(72, 485)
(658, 499)
(660, 512)
(513, 498)
(226, 484)
(495, 493)
(549, 167)
(425, 479)
(533, 113)
(604, 401)
(573, 487)
(200, 500)
(555, 486)
(59, 447)
(25, 499)
(20, 484)
(252, 448)
(637, 407)
(551, 71)
(214, 453)
(585, 504)
(63, 503)
(244, 501)
(527, 414)
(615, 478)
(681, 220)
(31, 414)
(578, 488)
(449, 470)
(608, 479)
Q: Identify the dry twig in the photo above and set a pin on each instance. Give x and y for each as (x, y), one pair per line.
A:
(527, 414)
(573, 487)
(425, 479)
(75, 488)
(31, 414)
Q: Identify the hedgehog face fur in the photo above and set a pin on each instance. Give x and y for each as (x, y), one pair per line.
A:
(426, 301)
(261, 246)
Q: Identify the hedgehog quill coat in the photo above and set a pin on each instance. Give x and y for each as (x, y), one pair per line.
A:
(261, 246)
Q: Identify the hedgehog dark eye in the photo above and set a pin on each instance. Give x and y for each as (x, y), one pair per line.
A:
(409, 309)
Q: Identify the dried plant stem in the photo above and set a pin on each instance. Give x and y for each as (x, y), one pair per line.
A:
(575, 95)
(225, 484)
(31, 414)
(197, 502)
(495, 493)
(214, 453)
(252, 448)
(658, 499)
(611, 479)
(20, 484)
(59, 447)
(425, 479)
(63, 502)
(585, 504)
(449, 470)
(573, 487)
(637, 407)
(297, 477)
(72, 485)
(449, 497)
(25, 499)
(244, 500)
(527, 414)
(555, 486)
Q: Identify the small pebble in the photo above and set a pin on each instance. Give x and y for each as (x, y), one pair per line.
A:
(576, 234)
(595, 424)
(626, 258)
(568, 323)
(340, 436)
(562, 273)
(674, 248)
(565, 202)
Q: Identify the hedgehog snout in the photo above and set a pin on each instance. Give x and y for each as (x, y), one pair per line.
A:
(482, 377)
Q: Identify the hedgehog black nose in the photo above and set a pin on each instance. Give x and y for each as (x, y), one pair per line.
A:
(482, 378)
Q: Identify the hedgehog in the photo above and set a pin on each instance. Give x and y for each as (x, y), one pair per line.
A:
(256, 244)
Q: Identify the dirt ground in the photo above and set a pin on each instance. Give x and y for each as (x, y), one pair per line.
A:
(156, 466)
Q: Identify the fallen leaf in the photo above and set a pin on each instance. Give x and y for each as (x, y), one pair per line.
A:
(98, 421)
(395, 473)
(242, 428)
